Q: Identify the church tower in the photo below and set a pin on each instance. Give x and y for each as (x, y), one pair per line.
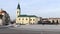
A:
(18, 10)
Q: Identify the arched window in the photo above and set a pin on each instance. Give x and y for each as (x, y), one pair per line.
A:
(26, 19)
(19, 18)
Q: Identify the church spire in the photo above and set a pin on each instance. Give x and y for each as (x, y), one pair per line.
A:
(18, 7)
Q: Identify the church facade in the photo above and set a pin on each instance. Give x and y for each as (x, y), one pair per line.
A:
(25, 19)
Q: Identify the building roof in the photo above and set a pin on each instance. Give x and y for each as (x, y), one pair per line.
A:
(54, 18)
(44, 18)
(27, 16)
(2, 11)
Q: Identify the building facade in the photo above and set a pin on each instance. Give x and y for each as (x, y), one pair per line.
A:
(49, 21)
(54, 19)
(25, 19)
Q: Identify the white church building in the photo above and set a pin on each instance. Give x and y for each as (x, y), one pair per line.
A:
(25, 19)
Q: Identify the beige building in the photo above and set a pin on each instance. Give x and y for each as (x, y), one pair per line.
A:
(51, 20)
(25, 19)
(55, 19)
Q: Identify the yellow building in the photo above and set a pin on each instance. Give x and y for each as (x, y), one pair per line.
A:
(25, 19)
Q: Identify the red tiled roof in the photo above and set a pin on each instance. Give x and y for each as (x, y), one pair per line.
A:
(2, 11)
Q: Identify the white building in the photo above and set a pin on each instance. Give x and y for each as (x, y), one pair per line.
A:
(25, 19)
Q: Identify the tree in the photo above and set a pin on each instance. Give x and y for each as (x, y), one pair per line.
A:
(40, 22)
(57, 22)
(53, 22)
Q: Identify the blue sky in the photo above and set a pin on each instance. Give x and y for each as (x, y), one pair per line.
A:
(42, 8)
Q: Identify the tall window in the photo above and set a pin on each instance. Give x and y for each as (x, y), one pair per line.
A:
(23, 19)
(17, 11)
